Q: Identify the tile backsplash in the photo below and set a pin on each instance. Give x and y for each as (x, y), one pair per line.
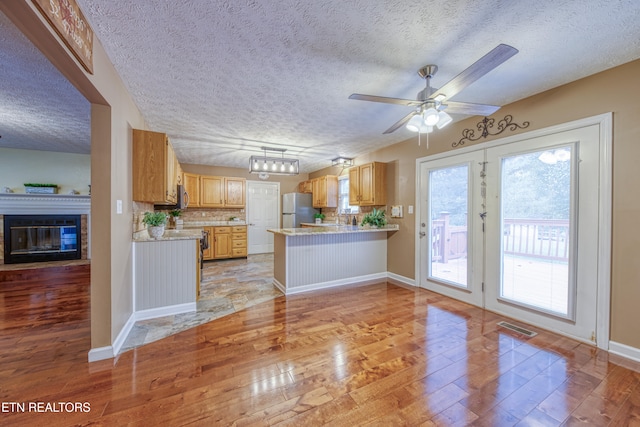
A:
(188, 215)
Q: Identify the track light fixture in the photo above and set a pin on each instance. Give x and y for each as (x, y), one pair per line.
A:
(272, 164)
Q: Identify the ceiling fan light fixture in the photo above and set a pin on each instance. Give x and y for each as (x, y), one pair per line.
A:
(431, 116)
(444, 119)
(415, 123)
(425, 129)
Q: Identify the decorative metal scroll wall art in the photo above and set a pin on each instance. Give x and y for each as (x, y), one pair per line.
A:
(484, 127)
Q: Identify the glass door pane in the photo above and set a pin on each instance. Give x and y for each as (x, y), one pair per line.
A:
(448, 224)
(536, 206)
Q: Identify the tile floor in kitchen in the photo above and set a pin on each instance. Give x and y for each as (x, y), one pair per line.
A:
(227, 286)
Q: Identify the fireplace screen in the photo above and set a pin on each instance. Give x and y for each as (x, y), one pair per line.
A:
(41, 238)
(37, 240)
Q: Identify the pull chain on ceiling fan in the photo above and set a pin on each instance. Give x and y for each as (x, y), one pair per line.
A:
(430, 103)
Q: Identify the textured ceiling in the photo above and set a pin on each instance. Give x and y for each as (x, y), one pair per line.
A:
(39, 109)
(224, 78)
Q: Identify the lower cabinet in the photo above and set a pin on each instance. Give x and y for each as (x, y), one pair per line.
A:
(221, 242)
(207, 254)
(239, 241)
(226, 242)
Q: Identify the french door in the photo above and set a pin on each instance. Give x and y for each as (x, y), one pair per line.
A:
(450, 228)
(514, 228)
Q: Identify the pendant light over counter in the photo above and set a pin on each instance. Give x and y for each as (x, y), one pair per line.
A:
(272, 164)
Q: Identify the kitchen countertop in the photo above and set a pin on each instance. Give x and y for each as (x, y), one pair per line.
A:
(342, 229)
(169, 234)
(322, 224)
(192, 224)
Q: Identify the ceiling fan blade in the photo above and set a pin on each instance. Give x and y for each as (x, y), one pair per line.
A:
(482, 66)
(373, 98)
(397, 125)
(470, 109)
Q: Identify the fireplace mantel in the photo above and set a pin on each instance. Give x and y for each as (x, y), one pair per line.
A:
(34, 204)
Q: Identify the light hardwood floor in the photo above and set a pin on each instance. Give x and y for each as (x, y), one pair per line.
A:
(379, 354)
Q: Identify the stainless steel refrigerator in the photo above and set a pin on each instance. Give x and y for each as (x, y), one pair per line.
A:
(296, 208)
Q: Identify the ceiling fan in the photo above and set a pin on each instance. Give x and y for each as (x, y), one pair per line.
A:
(430, 103)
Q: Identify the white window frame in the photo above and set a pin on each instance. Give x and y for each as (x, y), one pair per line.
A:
(345, 195)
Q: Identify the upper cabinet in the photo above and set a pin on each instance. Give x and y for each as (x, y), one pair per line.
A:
(235, 189)
(367, 184)
(305, 187)
(222, 192)
(212, 191)
(191, 184)
(325, 191)
(155, 168)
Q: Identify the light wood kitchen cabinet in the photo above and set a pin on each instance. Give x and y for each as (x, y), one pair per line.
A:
(234, 196)
(325, 191)
(367, 184)
(179, 173)
(155, 168)
(191, 184)
(212, 191)
(226, 242)
(222, 243)
(239, 241)
(207, 254)
(222, 192)
(305, 187)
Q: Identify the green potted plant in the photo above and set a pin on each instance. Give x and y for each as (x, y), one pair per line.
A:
(319, 217)
(375, 218)
(30, 187)
(155, 222)
(175, 215)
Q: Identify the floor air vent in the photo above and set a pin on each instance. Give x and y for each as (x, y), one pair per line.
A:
(517, 329)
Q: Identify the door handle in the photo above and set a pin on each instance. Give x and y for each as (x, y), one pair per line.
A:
(422, 234)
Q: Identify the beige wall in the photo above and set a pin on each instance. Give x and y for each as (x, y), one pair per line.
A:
(616, 91)
(68, 171)
(113, 114)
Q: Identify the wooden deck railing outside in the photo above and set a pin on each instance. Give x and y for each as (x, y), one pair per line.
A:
(536, 238)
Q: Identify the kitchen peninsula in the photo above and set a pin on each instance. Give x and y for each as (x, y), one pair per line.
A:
(167, 273)
(312, 258)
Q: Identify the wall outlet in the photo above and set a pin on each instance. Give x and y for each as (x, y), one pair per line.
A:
(119, 207)
(410, 209)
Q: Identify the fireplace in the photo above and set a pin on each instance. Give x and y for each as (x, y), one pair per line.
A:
(35, 238)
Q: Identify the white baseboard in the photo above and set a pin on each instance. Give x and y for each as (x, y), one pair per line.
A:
(170, 310)
(111, 351)
(401, 279)
(624, 350)
(352, 280)
(280, 286)
(333, 283)
(101, 353)
(123, 334)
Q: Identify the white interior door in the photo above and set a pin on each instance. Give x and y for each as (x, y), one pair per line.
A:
(263, 213)
(537, 224)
